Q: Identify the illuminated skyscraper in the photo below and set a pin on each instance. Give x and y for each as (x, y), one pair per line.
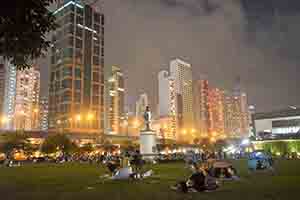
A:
(201, 92)
(116, 100)
(181, 72)
(2, 88)
(27, 99)
(43, 114)
(216, 111)
(76, 93)
(167, 106)
(10, 94)
(236, 115)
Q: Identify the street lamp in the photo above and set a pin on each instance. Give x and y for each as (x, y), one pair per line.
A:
(90, 116)
(78, 117)
(125, 126)
(4, 119)
(213, 140)
(136, 123)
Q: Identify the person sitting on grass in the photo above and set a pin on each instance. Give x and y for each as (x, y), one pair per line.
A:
(137, 163)
(199, 181)
(112, 167)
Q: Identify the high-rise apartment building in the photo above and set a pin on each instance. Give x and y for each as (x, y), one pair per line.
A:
(43, 114)
(20, 98)
(181, 72)
(236, 114)
(10, 94)
(201, 92)
(140, 105)
(116, 100)
(216, 111)
(76, 92)
(2, 89)
(27, 99)
(167, 106)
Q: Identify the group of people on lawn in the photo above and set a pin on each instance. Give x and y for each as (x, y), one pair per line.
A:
(205, 176)
(128, 166)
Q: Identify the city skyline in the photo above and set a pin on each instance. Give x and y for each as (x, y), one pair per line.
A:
(148, 40)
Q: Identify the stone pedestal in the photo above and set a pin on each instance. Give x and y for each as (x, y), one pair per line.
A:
(148, 144)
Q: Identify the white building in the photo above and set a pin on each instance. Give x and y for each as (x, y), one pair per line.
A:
(164, 96)
(278, 122)
(26, 113)
(10, 94)
(181, 72)
(22, 88)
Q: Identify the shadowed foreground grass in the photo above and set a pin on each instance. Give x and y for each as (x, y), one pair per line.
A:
(82, 181)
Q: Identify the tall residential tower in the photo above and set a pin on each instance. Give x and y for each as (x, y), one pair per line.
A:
(167, 106)
(181, 72)
(76, 93)
(116, 100)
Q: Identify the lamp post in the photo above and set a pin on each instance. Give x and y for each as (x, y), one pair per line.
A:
(59, 123)
(125, 126)
(4, 120)
(78, 119)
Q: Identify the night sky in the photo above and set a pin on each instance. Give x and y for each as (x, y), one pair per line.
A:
(257, 40)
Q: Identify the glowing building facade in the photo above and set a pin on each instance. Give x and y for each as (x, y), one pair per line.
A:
(2, 87)
(216, 111)
(43, 114)
(201, 96)
(181, 73)
(76, 92)
(167, 118)
(236, 115)
(27, 99)
(116, 100)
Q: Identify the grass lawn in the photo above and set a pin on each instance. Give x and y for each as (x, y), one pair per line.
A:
(76, 181)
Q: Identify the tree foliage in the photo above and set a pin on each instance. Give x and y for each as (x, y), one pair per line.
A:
(23, 29)
(13, 141)
(59, 142)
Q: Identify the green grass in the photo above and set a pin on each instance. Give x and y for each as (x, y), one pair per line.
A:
(81, 181)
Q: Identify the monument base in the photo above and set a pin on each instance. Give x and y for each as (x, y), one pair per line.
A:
(148, 144)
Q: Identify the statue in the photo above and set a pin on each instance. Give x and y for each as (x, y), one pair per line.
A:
(147, 119)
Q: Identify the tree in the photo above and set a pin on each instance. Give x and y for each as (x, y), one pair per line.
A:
(54, 143)
(23, 29)
(13, 141)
